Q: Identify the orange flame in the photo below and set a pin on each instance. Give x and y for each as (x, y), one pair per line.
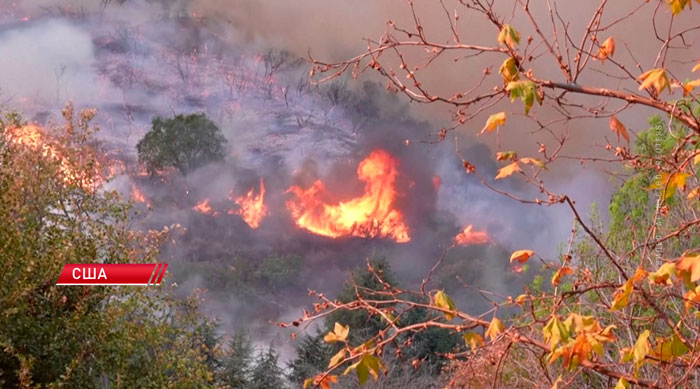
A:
(253, 207)
(32, 137)
(470, 236)
(370, 215)
(203, 207)
(138, 196)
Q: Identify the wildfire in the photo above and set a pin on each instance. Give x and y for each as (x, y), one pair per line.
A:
(138, 196)
(203, 207)
(371, 215)
(253, 207)
(470, 236)
(32, 137)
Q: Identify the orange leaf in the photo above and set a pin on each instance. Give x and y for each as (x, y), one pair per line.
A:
(494, 121)
(521, 256)
(564, 270)
(656, 78)
(618, 128)
(607, 49)
(508, 170)
(690, 264)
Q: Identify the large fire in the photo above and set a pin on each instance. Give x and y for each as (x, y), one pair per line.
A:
(373, 214)
(470, 236)
(252, 208)
(203, 207)
(33, 138)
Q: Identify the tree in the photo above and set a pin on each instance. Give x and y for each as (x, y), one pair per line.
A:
(312, 355)
(267, 373)
(185, 142)
(618, 305)
(237, 363)
(54, 210)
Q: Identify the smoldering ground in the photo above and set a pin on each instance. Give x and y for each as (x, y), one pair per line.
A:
(142, 59)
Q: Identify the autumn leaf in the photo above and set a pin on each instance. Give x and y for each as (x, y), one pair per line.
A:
(506, 155)
(533, 161)
(669, 183)
(689, 86)
(521, 299)
(527, 92)
(368, 364)
(508, 170)
(656, 78)
(623, 293)
(494, 121)
(678, 5)
(442, 300)
(662, 276)
(521, 256)
(619, 129)
(495, 328)
(509, 36)
(509, 70)
(337, 358)
(640, 350)
(473, 340)
(555, 332)
(695, 193)
(670, 348)
(696, 67)
(339, 333)
(690, 264)
(563, 271)
(607, 49)
(622, 384)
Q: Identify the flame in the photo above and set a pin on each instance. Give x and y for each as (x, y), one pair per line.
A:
(138, 196)
(33, 138)
(370, 215)
(470, 236)
(253, 207)
(203, 207)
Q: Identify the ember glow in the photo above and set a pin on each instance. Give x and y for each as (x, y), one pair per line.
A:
(253, 207)
(470, 236)
(373, 214)
(203, 207)
(138, 196)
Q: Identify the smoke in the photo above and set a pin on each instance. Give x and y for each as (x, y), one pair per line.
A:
(145, 59)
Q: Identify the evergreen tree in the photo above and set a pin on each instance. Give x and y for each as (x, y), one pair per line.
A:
(237, 363)
(312, 354)
(267, 374)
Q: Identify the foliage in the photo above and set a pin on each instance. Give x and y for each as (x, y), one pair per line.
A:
(185, 142)
(237, 364)
(267, 373)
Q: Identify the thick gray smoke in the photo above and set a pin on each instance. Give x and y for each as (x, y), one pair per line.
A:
(144, 59)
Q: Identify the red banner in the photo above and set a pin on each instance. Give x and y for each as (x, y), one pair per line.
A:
(112, 274)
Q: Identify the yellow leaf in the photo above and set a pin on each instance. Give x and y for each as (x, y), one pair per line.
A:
(494, 121)
(505, 155)
(607, 49)
(669, 348)
(508, 170)
(308, 382)
(623, 293)
(442, 300)
(640, 350)
(695, 193)
(696, 159)
(521, 256)
(669, 182)
(677, 5)
(619, 129)
(564, 270)
(696, 67)
(690, 264)
(473, 340)
(656, 78)
(622, 384)
(521, 299)
(532, 161)
(337, 358)
(509, 70)
(663, 275)
(495, 328)
(555, 332)
(339, 333)
(509, 36)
